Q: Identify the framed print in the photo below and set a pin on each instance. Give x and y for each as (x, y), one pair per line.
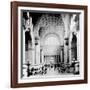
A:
(48, 44)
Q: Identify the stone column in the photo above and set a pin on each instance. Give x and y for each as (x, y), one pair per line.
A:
(42, 56)
(33, 46)
(37, 52)
(70, 57)
(74, 28)
(31, 51)
(66, 20)
(61, 56)
(78, 38)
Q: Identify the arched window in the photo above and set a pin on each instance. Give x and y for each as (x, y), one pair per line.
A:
(52, 41)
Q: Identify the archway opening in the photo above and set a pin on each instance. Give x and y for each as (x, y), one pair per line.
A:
(52, 49)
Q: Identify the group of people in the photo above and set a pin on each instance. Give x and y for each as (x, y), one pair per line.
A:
(60, 68)
(36, 71)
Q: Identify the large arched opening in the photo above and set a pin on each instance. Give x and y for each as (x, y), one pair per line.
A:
(51, 49)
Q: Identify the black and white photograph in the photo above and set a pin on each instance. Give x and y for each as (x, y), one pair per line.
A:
(50, 43)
